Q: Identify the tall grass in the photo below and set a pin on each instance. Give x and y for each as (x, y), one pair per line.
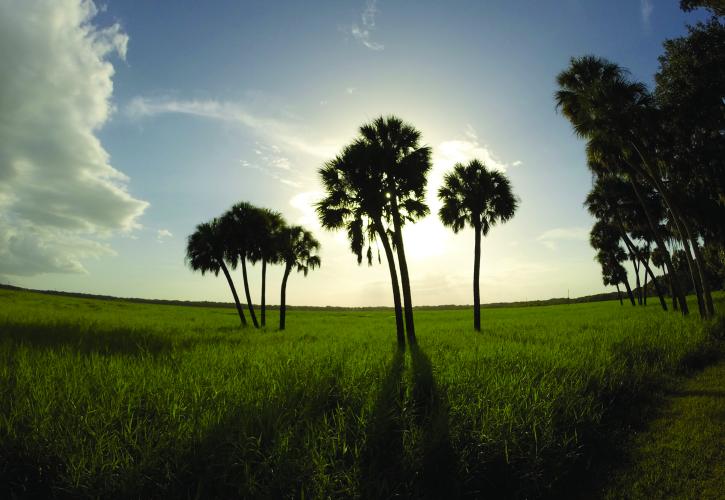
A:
(113, 399)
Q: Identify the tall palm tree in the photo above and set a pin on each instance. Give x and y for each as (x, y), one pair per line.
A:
(205, 250)
(405, 165)
(267, 250)
(355, 202)
(241, 226)
(478, 197)
(297, 250)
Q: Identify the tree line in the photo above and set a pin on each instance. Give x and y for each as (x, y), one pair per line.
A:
(374, 186)
(248, 233)
(657, 159)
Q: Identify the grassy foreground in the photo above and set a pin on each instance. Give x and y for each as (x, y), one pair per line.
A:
(114, 399)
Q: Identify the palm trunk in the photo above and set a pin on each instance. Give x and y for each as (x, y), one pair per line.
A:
(234, 294)
(635, 265)
(679, 224)
(263, 305)
(705, 285)
(648, 270)
(476, 276)
(619, 294)
(675, 286)
(404, 277)
(629, 292)
(283, 297)
(383, 237)
(644, 288)
(246, 292)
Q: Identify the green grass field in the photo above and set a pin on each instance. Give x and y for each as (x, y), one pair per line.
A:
(116, 399)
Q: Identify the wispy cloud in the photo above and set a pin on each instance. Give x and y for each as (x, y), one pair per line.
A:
(163, 234)
(551, 237)
(270, 161)
(362, 32)
(272, 129)
(646, 8)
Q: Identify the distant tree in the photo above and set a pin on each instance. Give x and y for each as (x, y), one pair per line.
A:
(267, 250)
(241, 227)
(612, 201)
(205, 250)
(604, 237)
(405, 165)
(297, 251)
(356, 202)
(480, 198)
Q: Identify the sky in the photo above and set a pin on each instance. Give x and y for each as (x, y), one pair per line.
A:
(124, 124)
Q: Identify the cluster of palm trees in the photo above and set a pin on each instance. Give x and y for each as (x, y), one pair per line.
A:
(377, 184)
(657, 163)
(248, 233)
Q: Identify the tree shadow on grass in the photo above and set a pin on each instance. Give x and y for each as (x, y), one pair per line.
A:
(85, 338)
(395, 466)
(382, 461)
(93, 338)
(438, 467)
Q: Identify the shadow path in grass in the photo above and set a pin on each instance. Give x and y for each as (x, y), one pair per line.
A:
(382, 460)
(438, 461)
(408, 451)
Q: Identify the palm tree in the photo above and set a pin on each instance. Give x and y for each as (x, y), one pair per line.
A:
(241, 226)
(297, 248)
(480, 198)
(355, 202)
(267, 250)
(205, 250)
(405, 165)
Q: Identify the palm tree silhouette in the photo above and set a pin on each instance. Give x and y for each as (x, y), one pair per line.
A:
(405, 165)
(480, 198)
(205, 249)
(267, 250)
(240, 227)
(355, 202)
(604, 237)
(297, 247)
(612, 200)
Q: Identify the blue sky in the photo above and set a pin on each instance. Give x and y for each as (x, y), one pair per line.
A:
(150, 117)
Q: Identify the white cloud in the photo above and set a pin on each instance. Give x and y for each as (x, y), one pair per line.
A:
(362, 33)
(517, 163)
(453, 151)
(271, 129)
(162, 234)
(646, 9)
(550, 238)
(58, 189)
(350, 90)
(304, 202)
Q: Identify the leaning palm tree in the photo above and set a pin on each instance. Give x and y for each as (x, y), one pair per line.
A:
(267, 250)
(480, 198)
(355, 202)
(241, 226)
(297, 250)
(618, 118)
(404, 164)
(205, 252)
